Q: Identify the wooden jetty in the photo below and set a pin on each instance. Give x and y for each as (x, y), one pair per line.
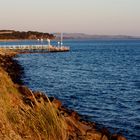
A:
(35, 48)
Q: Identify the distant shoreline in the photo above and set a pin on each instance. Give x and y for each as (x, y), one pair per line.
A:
(16, 40)
(11, 40)
(12, 35)
(22, 35)
(87, 36)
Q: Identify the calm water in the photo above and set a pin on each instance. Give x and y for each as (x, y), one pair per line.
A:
(100, 79)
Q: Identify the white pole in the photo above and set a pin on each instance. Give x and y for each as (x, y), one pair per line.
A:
(58, 43)
(49, 42)
(61, 39)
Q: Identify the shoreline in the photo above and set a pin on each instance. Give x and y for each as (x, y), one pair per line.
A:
(100, 38)
(14, 40)
(76, 128)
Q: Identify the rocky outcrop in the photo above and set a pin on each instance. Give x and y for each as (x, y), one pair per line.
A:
(12, 67)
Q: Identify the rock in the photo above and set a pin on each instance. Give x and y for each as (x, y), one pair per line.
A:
(12, 67)
(64, 110)
(51, 99)
(39, 95)
(75, 115)
(28, 101)
(25, 91)
(106, 132)
(104, 137)
(117, 137)
(91, 124)
(94, 135)
(57, 103)
(121, 138)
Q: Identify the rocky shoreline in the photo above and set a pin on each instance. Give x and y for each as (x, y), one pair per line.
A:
(74, 127)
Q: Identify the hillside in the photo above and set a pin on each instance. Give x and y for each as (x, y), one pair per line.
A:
(11, 34)
(87, 36)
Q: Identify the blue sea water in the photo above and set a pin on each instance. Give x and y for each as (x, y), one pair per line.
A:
(98, 78)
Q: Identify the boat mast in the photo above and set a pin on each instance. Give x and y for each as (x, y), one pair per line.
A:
(61, 39)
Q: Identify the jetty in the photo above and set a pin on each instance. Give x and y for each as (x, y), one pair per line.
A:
(35, 48)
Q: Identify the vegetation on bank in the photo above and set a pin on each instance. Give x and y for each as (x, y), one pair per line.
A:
(11, 34)
(23, 117)
(21, 121)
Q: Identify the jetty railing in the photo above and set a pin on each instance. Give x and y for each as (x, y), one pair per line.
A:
(34, 48)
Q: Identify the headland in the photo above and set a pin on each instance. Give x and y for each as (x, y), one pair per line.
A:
(11, 35)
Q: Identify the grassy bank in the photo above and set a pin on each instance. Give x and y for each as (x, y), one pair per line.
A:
(22, 116)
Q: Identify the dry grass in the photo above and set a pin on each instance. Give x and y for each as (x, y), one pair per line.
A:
(20, 121)
(46, 123)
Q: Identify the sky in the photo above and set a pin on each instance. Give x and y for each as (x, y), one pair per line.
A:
(102, 17)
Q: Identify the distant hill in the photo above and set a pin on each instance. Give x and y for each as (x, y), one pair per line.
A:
(86, 36)
(11, 34)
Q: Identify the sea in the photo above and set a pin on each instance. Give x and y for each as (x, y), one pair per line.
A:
(98, 78)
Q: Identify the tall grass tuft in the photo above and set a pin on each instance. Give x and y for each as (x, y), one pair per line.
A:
(45, 122)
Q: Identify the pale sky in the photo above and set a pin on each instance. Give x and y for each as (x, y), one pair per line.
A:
(82, 16)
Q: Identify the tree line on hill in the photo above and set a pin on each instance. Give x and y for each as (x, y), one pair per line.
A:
(11, 34)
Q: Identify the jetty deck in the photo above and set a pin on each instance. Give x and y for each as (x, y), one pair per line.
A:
(35, 48)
